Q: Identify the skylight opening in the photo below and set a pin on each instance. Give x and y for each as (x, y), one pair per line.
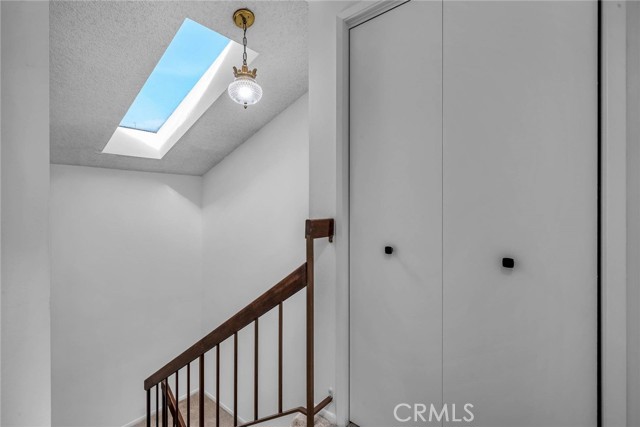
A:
(190, 54)
(177, 93)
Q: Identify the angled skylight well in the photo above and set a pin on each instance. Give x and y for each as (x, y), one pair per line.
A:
(190, 54)
(192, 73)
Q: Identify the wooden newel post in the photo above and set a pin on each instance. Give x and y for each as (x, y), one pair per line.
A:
(314, 229)
(310, 332)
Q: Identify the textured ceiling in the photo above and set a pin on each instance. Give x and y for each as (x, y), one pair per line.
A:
(103, 51)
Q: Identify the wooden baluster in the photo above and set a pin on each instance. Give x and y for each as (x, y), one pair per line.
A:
(175, 416)
(201, 393)
(280, 357)
(255, 371)
(157, 406)
(218, 385)
(165, 416)
(188, 394)
(149, 408)
(235, 379)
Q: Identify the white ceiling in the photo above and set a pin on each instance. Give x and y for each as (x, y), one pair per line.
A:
(103, 51)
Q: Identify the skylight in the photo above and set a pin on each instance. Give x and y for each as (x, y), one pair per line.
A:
(194, 71)
(190, 54)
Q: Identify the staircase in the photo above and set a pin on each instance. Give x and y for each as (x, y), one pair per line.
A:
(158, 384)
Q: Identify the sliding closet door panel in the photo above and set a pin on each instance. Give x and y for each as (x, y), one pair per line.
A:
(395, 187)
(520, 165)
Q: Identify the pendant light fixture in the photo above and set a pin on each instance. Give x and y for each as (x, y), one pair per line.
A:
(244, 90)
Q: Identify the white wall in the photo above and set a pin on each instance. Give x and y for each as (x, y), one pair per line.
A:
(254, 206)
(0, 215)
(26, 364)
(633, 213)
(126, 286)
(324, 107)
(614, 215)
(129, 254)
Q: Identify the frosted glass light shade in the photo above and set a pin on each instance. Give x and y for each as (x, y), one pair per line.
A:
(245, 91)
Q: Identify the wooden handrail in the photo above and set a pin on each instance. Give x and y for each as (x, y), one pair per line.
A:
(286, 288)
(319, 407)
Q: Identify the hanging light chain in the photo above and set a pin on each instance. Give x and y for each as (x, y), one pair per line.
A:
(244, 41)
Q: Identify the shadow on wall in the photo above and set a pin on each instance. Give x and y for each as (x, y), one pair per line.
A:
(270, 164)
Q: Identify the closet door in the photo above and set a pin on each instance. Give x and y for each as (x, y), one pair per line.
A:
(395, 188)
(520, 164)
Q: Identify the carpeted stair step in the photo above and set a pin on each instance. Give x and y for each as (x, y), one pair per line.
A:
(301, 421)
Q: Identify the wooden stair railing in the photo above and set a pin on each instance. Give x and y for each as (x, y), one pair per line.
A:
(302, 277)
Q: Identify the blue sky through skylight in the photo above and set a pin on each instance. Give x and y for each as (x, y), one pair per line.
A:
(189, 55)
